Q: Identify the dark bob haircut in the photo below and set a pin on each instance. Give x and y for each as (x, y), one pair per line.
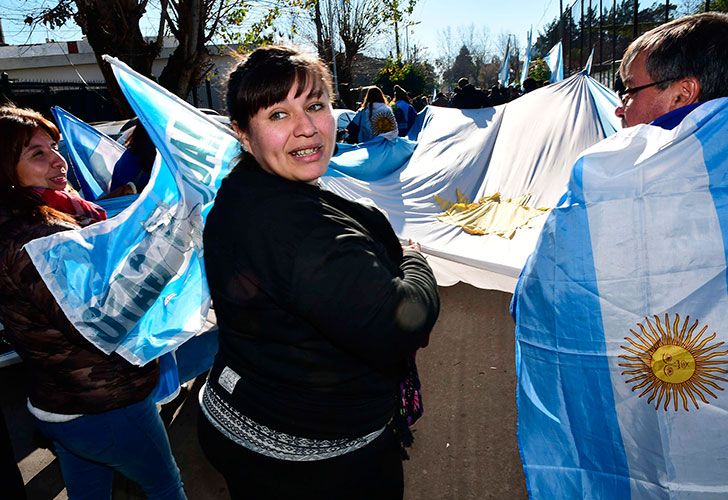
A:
(267, 75)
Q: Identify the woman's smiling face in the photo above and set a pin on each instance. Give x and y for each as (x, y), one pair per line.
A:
(40, 163)
(293, 138)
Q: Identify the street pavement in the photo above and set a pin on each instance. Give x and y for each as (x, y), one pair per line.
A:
(465, 444)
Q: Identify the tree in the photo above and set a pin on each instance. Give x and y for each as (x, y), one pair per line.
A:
(418, 78)
(194, 23)
(462, 66)
(488, 73)
(113, 27)
(479, 44)
(447, 48)
(397, 11)
(539, 70)
(613, 41)
(355, 25)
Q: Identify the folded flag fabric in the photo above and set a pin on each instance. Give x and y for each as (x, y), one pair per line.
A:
(371, 160)
(135, 284)
(489, 215)
(621, 325)
(92, 154)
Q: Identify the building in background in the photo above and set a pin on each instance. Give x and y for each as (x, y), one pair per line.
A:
(67, 74)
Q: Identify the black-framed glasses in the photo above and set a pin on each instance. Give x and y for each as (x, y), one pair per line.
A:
(623, 93)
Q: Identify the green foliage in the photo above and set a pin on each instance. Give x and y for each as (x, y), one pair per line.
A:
(539, 70)
(715, 6)
(396, 12)
(583, 32)
(416, 78)
(256, 34)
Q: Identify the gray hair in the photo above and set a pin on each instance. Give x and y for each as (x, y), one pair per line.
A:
(689, 46)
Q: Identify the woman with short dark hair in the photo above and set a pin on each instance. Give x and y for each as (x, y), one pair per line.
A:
(318, 305)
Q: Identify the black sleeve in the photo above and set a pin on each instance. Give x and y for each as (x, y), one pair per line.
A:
(343, 288)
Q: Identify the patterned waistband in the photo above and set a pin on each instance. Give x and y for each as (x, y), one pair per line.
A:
(261, 439)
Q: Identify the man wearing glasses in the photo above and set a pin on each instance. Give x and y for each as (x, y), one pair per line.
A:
(672, 69)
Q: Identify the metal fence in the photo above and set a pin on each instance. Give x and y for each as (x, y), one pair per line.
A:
(607, 27)
(90, 101)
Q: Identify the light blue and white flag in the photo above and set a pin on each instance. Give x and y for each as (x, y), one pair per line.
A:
(621, 324)
(555, 61)
(504, 74)
(92, 154)
(588, 65)
(526, 57)
(371, 160)
(135, 284)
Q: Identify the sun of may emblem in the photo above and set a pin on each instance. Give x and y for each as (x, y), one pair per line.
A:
(671, 362)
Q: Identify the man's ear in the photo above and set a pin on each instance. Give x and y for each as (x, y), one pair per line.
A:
(685, 91)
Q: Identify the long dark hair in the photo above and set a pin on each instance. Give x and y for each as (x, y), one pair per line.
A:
(374, 94)
(17, 126)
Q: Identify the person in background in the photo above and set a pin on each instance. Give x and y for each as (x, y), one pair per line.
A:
(674, 68)
(94, 407)
(135, 164)
(318, 304)
(373, 118)
(440, 100)
(420, 102)
(403, 111)
(497, 95)
(529, 85)
(468, 97)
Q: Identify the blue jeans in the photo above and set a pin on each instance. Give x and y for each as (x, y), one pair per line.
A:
(131, 440)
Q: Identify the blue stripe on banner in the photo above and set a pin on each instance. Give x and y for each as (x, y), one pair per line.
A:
(567, 425)
(712, 138)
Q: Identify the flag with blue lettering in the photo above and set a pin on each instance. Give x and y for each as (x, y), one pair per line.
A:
(621, 324)
(555, 61)
(135, 284)
(92, 154)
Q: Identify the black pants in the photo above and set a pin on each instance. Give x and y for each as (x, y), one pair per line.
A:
(11, 482)
(371, 472)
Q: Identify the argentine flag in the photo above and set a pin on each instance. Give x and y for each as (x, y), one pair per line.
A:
(526, 57)
(92, 153)
(555, 61)
(135, 283)
(622, 324)
(504, 73)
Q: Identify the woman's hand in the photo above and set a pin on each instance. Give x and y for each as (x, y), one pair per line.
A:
(125, 190)
(412, 245)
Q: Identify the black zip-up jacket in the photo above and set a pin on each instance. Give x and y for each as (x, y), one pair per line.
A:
(316, 303)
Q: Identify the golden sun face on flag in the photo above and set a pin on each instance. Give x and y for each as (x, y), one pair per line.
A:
(383, 123)
(671, 363)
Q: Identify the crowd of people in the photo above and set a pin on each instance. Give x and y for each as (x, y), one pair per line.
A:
(373, 117)
(304, 399)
